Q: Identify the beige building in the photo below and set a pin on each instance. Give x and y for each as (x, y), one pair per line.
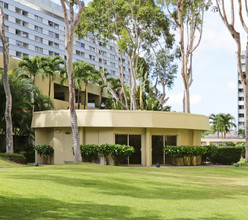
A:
(146, 131)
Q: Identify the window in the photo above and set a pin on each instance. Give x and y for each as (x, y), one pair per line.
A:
(5, 5)
(82, 45)
(25, 13)
(92, 57)
(18, 43)
(38, 18)
(52, 24)
(105, 62)
(241, 115)
(18, 10)
(39, 49)
(80, 53)
(25, 34)
(92, 48)
(112, 64)
(241, 107)
(56, 45)
(25, 45)
(38, 39)
(25, 24)
(18, 54)
(241, 90)
(6, 17)
(38, 29)
(112, 56)
(51, 34)
(6, 28)
(112, 72)
(241, 98)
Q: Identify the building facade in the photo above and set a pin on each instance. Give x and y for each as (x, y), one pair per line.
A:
(241, 113)
(147, 131)
(37, 27)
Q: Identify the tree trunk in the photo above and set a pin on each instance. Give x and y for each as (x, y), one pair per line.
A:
(49, 89)
(246, 120)
(74, 126)
(78, 99)
(8, 107)
(187, 100)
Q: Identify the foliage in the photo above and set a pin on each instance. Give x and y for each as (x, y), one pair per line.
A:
(134, 25)
(89, 152)
(44, 150)
(241, 133)
(12, 156)
(118, 152)
(184, 151)
(222, 123)
(242, 147)
(29, 153)
(211, 150)
(21, 88)
(226, 155)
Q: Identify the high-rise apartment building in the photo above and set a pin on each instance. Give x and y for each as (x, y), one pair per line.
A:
(241, 113)
(37, 27)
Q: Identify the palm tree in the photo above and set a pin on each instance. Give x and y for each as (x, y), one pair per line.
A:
(30, 67)
(83, 73)
(222, 123)
(50, 66)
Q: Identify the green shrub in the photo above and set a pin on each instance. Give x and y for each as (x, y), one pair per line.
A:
(242, 150)
(226, 155)
(184, 151)
(45, 151)
(211, 150)
(89, 152)
(121, 152)
(12, 156)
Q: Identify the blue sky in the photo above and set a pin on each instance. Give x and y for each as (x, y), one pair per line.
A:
(214, 89)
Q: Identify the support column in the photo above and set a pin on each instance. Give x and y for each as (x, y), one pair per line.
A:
(81, 135)
(148, 147)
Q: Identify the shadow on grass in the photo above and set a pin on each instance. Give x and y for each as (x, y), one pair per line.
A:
(46, 208)
(136, 189)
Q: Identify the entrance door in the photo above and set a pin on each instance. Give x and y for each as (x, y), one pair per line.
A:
(135, 142)
(157, 149)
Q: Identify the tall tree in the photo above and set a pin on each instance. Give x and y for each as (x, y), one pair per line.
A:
(71, 22)
(50, 66)
(8, 106)
(230, 24)
(188, 16)
(125, 22)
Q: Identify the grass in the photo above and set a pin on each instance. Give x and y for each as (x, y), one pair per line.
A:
(90, 191)
(6, 163)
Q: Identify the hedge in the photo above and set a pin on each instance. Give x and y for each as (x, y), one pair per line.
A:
(184, 151)
(226, 155)
(118, 152)
(17, 158)
(12, 156)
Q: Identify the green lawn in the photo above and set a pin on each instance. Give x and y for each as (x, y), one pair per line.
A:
(6, 163)
(89, 191)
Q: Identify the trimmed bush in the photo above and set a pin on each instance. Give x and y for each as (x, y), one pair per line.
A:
(118, 152)
(10, 156)
(226, 155)
(242, 150)
(45, 151)
(211, 150)
(184, 151)
(89, 152)
(17, 158)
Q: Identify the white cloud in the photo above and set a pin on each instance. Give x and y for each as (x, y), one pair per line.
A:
(177, 99)
(232, 85)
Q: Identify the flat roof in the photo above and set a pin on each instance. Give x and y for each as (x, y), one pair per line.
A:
(121, 118)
